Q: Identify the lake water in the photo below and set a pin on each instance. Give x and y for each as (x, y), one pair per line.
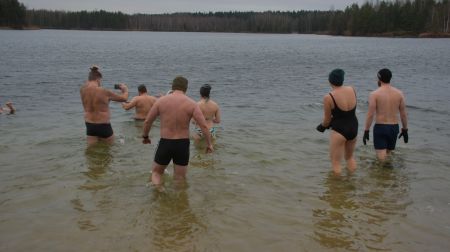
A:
(267, 187)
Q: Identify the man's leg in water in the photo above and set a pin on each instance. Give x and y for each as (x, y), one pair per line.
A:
(109, 140)
(179, 173)
(381, 154)
(157, 172)
(91, 140)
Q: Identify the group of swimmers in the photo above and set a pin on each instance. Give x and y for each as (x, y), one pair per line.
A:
(339, 106)
(175, 111)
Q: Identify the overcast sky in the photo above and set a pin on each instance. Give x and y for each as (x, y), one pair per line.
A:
(170, 6)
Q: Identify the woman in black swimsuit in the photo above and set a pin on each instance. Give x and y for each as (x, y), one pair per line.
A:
(339, 108)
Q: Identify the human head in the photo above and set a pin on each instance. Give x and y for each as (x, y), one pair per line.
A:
(94, 74)
(385, 75)
(205, 90)
(142, 89)
(336, 77)
(180, 83)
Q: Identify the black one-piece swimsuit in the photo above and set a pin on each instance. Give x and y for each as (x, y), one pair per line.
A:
(344, 122)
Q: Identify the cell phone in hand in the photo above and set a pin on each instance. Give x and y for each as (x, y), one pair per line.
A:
(117, 86)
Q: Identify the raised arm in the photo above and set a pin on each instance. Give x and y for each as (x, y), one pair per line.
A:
(119, 97)
(201, 122)
(129, 105)
(370, 112)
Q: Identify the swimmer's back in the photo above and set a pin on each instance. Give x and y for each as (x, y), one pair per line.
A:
(388, 101)
(175, 112)
(95, 103)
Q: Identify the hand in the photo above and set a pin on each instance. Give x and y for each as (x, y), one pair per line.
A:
(404, 134)
(209, 149)
(320, 128)
(366, 137)
(123, 87)
(146, 140)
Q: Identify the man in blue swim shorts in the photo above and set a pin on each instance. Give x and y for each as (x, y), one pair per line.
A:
(386, 103)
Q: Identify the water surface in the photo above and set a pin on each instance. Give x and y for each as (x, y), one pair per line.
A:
(267, 187)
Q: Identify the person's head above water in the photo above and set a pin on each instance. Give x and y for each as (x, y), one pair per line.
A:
(385, 75)
(142, 89)
(180, 83)
(336, 77)
(205, 90)
(94, 74)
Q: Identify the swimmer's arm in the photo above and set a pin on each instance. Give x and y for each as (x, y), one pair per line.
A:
(403, 115)
(129, 105)
(119, 97)
(370, 111)
(201, 122)
(150, 118)
(217, 116)
(326, 111)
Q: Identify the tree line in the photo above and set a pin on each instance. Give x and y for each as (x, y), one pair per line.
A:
(12, 14)
(399, 17)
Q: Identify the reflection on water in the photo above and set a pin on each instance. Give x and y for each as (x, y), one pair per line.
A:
(98, 159)
(361, 209)
(175, 227)
(333, 226)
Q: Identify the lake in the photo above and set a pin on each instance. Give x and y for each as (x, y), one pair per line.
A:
(267, 187)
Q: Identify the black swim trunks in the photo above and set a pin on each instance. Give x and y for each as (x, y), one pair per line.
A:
(344, 122)
(385, 136)
(102, 130)
(176, 149)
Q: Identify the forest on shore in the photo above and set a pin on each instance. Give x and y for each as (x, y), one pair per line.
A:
(373, 18)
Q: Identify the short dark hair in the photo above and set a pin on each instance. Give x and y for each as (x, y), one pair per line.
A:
(142, 89)
(205, 90)
(385, 75)
(336, 77)
(180, 83)
(94, 74)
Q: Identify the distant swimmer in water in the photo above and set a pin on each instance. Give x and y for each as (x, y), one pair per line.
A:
(387, 102)
(339, 108)
(95, 101)
(210, 110)
(175, 112)
(143, 103)
(9, 109)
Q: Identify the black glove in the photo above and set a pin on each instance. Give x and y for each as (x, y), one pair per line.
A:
(404, 134)
(320, 128)
(366, 137)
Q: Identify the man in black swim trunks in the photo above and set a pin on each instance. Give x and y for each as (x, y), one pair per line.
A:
(386, 103)
(175, 112)
(96, 107)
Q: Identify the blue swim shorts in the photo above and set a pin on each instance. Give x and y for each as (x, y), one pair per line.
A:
(385, 136)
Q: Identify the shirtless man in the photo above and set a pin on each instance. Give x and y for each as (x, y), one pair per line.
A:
(95, 101)
(210, 110)
(143, 103)
(386, 103)
(9, 109)
(175, 112)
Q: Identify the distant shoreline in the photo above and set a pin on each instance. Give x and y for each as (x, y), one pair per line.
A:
(400, 34)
